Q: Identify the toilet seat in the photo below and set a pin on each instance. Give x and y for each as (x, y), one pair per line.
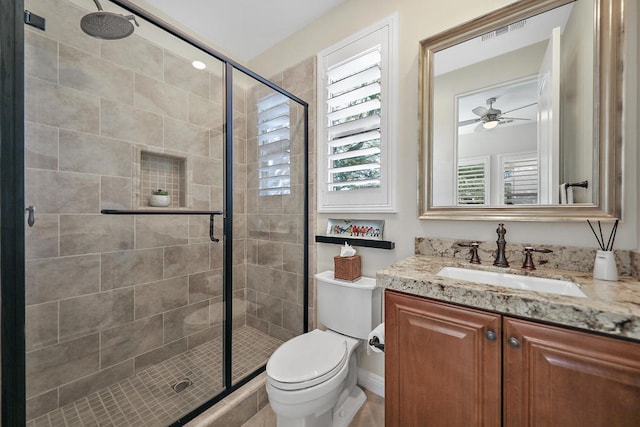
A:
(307, 360)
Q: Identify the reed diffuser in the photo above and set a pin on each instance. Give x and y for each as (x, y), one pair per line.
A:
(604, 267)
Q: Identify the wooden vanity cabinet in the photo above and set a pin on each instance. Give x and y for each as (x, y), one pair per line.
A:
(560, 377)
(440, 368)
(445, 367)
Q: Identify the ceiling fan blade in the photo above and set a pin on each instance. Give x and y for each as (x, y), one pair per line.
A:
(468, 122)
(520, 108)
(512, 118)
(480, 111)
(479, 128)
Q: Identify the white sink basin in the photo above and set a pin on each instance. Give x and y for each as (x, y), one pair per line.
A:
(514, 281)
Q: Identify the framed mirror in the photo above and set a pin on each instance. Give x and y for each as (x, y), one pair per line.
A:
(521, 114)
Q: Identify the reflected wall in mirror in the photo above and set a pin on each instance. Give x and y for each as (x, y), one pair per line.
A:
(521, 114)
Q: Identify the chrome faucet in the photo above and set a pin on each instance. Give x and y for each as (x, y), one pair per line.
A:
(501, 259)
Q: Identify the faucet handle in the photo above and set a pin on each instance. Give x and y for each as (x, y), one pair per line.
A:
(528, 256)
(475, 259)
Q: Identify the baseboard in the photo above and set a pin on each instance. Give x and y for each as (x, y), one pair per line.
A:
(372, 382)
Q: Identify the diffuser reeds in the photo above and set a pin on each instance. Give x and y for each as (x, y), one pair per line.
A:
(600, 239)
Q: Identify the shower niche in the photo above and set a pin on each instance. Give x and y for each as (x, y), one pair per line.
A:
(159, 171)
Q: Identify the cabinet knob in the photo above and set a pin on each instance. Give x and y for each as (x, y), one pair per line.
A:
(491, 335)
(513, 342)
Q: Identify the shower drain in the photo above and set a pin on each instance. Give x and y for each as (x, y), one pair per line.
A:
(181, 385)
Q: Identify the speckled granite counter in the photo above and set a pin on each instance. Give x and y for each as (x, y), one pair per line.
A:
(610, 307)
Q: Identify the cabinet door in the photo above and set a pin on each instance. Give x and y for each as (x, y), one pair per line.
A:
(559, 377)
(441, 369)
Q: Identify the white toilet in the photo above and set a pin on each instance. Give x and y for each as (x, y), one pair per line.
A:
(311, 379)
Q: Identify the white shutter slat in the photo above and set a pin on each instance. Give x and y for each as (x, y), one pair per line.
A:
(353, 127)
(361, 108)
(273, 145)
(370, 75)
(347, 98)
(355, 153)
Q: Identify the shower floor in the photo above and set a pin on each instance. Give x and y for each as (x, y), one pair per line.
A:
(147, 399)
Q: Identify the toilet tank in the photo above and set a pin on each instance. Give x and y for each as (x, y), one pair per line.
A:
(350, 308)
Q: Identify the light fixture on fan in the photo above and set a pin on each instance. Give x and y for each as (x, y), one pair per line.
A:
(490, 124)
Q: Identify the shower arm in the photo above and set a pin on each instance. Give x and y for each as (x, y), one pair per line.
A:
(98, 5)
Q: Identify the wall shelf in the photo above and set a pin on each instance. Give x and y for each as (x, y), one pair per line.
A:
(211, 214)
(354, 241)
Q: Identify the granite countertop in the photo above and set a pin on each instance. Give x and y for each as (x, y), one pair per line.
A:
(610, 307)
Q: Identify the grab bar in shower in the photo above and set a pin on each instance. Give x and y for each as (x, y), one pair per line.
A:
(211, 214)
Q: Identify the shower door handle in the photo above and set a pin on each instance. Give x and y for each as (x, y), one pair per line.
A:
(31, 219)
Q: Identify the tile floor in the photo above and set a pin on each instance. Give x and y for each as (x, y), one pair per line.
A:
(147, 399)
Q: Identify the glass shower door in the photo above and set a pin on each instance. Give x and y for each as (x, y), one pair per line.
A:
(269, 158)
(124, 314)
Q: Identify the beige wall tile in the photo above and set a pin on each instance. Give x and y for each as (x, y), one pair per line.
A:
(296, 79)
(284, 285)
(41, 146)
(215, 254)
(42, 404)
(216, 85)
(40, 57)
(91, 383)
(293, 256)
(161, 98)
(259, 278)
(41, 241)
(116, 192)
(160, 354)
(61, 192)
(269, 309)
(90, 313)
(239, 279)
(61, 363)
(179, 72)
(130, 124)
(88, 73)
(206, 171)
(283, 228)
(206, 113)
(205, 285)
(161, 230)
(270, 254)
(216, 144)
(292, 317)
(81, 152)
(200, 197)
(257, 323)
(206, 335)
(81, 234)
(59, 278)
(280, 333)
(257, 226)
(185, 259)
(130, 340)
(41, 325)
(134, 53)
(186, 138)
(157, 297)
(54, 105)
(120, 269)
(185, 321)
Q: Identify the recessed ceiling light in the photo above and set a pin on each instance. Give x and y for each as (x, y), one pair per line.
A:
(199, 65)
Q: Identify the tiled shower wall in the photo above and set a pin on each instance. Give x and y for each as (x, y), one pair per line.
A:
(108, 295)
(275, 224)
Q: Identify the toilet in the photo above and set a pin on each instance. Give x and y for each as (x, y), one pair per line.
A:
(311, 379)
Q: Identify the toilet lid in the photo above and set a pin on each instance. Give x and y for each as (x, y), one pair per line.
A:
(307, 360)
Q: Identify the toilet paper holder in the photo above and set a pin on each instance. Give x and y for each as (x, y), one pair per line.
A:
(375, 342)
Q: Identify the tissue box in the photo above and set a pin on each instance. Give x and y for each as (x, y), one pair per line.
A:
(346, 268)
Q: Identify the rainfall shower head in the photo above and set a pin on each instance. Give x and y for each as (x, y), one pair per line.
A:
(107, 25)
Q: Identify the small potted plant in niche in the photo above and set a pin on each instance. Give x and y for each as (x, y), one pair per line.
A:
(160, 198)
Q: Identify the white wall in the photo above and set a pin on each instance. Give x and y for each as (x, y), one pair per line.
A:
(419, 19)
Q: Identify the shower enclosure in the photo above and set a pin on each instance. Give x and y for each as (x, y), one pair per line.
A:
(135, 314)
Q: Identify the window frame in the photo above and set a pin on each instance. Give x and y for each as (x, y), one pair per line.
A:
(383, 198)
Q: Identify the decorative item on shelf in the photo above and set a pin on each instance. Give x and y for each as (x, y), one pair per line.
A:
(361, 229)
(160, 198)
(604, 267)
(346, 266)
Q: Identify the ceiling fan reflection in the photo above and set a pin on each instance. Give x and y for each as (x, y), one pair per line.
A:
(489, 118)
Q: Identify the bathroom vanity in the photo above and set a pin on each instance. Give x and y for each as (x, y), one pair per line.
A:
(460, 353)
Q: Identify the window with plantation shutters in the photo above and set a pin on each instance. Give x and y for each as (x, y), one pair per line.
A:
(473, 181)
(355, 154)
(520, 179)
(274, 170)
